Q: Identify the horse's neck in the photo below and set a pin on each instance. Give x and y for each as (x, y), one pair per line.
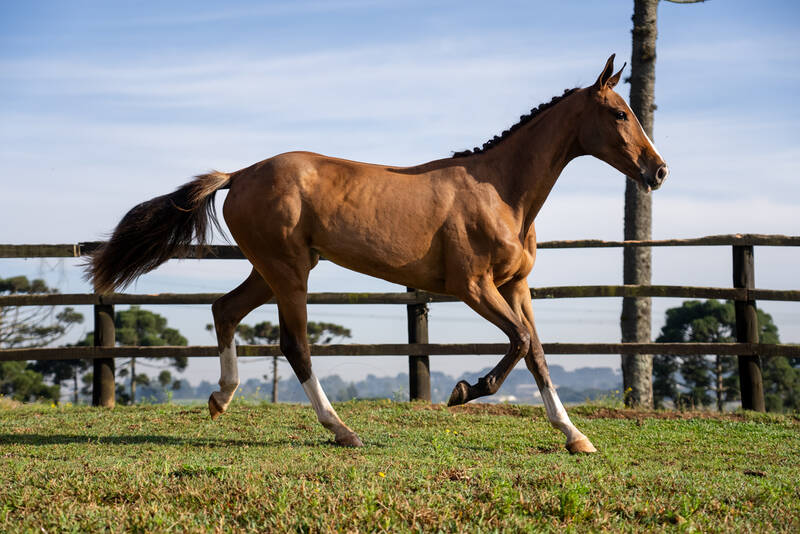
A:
(532, 160)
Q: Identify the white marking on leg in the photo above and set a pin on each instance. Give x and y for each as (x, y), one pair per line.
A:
(229, 376)
(325, 412)
(558, 415)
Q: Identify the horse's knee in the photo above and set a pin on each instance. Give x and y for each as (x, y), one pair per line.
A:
(522, 345)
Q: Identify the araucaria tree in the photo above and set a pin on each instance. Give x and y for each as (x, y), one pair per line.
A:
(142, 328)
(695, 381)
(34, 326)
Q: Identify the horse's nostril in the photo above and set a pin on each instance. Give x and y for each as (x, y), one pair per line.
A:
(662, 173)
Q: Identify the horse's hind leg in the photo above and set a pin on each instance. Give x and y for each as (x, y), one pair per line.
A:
(228, 311)
(290, 284)
(519, 298)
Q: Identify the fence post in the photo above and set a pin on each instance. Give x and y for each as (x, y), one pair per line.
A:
(750, 384)
(103, 387)
(419, 373)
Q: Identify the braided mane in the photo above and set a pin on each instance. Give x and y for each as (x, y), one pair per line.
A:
(524, 119)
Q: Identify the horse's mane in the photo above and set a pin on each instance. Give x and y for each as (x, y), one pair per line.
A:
(524, 119)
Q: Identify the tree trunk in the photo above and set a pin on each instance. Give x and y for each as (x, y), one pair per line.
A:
(75, 385)
(274, 379)
(637, 369)
(133, 381)
(720, 386)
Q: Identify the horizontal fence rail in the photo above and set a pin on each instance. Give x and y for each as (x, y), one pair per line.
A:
(744, 294)
(403, 349)
(415, 297)
(229, 252)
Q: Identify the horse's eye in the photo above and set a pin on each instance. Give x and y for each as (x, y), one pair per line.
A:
(621, 115)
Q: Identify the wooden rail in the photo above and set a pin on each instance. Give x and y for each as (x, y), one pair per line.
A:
(229, 252)
(748, 350)
(408, 298)
(402, 349)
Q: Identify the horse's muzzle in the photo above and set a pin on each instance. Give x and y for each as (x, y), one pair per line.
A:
(651, 182)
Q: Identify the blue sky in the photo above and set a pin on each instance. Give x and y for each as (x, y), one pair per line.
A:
(106, 104)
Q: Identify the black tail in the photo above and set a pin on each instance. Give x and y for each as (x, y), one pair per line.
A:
(156, 230)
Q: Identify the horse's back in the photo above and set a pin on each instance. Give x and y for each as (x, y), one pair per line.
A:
(374, 219)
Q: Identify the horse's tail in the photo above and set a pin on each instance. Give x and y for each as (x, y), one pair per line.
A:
(156, 230)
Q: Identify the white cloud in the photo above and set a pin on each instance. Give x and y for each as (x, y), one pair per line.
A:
(229, 13)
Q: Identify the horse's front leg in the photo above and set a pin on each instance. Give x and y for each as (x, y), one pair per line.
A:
(482, 296)
(556, 414)
(519, 298)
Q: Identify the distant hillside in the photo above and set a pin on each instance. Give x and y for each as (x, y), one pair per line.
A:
(573, 386)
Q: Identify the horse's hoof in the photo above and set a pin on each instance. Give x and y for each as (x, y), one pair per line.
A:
(581, 446)
(349, 440)
(459, 394)
(214, 408)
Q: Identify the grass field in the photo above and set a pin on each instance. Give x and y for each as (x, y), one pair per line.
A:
(264, 467)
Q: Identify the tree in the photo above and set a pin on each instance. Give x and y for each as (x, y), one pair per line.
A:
(637, 369)
(141, 328)
(699, 380)
(701, 322)
(348, 393)
(59, 371)
(20, 382)
(782, 384)
(266, 333)
(34, 326)
(165, 378)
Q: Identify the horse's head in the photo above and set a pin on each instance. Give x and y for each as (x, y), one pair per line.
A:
(611, 132)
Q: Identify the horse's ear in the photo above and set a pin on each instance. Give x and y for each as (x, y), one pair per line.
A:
(605, 76)
(615, 78)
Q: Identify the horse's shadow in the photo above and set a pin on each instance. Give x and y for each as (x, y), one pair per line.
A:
(155, 439)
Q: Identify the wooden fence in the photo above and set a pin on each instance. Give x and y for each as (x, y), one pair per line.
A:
(743, 292)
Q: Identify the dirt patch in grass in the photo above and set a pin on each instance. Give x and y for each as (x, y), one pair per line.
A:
(8, 404)
(455, 474)
(493, 409)
(616, 413)
(592, 412)
(595, 412)
(476, 408)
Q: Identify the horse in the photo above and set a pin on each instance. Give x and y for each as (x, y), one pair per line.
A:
(460, 226)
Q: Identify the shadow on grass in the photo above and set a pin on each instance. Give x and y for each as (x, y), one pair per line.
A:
(154, 439)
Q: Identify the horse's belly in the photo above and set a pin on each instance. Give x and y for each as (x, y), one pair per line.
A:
(398, 262)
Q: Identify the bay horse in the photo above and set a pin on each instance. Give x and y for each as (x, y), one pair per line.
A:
(460, 226)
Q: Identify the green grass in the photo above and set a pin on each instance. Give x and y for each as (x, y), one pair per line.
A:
(480, 469)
